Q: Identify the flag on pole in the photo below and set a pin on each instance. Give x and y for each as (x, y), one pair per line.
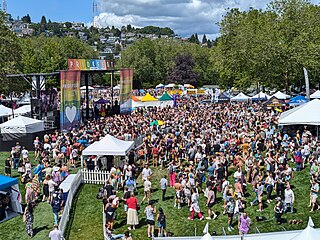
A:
(206, 229)
(307, 83)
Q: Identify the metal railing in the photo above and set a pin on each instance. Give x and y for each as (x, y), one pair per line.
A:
(73, 190)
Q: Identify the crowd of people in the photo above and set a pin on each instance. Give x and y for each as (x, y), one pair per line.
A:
(207, 149)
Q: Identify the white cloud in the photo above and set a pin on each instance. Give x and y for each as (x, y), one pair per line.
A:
(185, 17)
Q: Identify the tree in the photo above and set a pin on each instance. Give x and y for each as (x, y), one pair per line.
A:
(10, 54)
(204, 39)
(26, 19)
(43, 21)
(183, 70)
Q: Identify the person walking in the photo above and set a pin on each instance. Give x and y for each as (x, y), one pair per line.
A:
(313, 194)
(132, 215)
(147, 190)
(28, 219)
(164, 185)
(244, 224)
(56, 205)
(162, 219)
(230, 210)
(7, 167)
(210, 203)
(195, 209)
(56, 234)
(150, 210)
(278, 210)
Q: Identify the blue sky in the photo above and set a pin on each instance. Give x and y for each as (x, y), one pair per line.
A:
(56, 10)
(185, 17)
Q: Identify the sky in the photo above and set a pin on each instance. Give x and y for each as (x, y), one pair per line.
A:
(185, 17)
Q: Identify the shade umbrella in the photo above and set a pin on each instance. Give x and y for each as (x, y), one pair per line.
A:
(160, 123)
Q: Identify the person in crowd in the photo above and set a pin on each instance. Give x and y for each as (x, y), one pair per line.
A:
(56, 234)
(288, 198)
(163, 186)
(162, 220)
(244, 224)
(150, 211)
(110, 210)
(211, 197)
(28, 218)
(132, 214)
(230, 211)
(56, 204)
(147, 190)
(314, 194)
(195, 209)
(278, 210)
(7, 167)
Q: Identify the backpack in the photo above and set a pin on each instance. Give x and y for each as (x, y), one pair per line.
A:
(162, 218)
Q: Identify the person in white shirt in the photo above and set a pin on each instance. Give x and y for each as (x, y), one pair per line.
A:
(288, 198)
(56, 234)
(146, 172)
(25, 154)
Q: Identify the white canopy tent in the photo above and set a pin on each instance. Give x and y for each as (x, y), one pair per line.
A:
(309, 233)
(160, 85)
(5, 111)
(109, 145)
(22, 110)
(241, 97)
(260, 96)
(316, 94)
(21, 125)
(84, 88)
(281, 95)
(306, 114)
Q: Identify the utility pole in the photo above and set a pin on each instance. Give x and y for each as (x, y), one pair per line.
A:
(4, 6)
(94, 11)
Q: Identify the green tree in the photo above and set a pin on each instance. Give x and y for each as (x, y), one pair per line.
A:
(204, 39)
(26, 19)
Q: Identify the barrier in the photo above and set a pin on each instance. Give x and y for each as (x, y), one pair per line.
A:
(95, 177)
(73, 190)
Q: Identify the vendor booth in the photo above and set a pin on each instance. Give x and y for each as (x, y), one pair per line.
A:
(261, 96)
(281, 95)
(297, 100)
(22, 129)
(10, 205)
(241, 97)
(105, 149)
(274, 102)
(316, 94)
(166, 100)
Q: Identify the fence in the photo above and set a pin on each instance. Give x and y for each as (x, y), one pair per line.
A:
(95, 177)
(73, 189)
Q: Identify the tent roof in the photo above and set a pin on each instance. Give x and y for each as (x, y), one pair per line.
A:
(5, 111)
(281, 95)
(134, 98)
(160, 85)
(307, 114)
(260, 95)
(109, 145)
(274, 102)
(20, 121)
(240, 97)
(223, 97)
(316, 94)
(84, 88)
(165, 97)
(22, 110)
(148, 98)
(6, 182)
(102, 101)
(297, 100)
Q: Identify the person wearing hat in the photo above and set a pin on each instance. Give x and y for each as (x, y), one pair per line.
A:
(288, 198)
(278, 210)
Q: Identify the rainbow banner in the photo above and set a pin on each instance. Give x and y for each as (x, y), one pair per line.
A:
(70, 99)
(126, 78)
(89, 64)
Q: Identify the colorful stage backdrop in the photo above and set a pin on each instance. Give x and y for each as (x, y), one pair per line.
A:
(126, 78)
(70, 99)
(89, 64)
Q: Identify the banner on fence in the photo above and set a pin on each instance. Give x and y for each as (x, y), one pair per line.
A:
(126, 78)
(89, 64)
(70, 99)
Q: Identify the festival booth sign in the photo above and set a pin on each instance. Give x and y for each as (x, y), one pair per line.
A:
(70, 100)
(21, 129)
(9, 188)
(306, 114)
(108, 146)
(126, 78)
(222, 98)
(316, 94)
(274, 102)
(89, 64)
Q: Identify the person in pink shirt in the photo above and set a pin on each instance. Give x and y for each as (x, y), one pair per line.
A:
(244, 224)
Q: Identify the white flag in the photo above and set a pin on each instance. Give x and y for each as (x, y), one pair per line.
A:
(206, 229)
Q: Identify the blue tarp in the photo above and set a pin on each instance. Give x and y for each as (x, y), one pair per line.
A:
(297, 100)
(6, 182)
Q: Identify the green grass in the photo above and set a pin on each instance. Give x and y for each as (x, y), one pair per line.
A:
(88, 219)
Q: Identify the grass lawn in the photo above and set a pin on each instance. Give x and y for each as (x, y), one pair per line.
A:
(14, 228)
(87, 221)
